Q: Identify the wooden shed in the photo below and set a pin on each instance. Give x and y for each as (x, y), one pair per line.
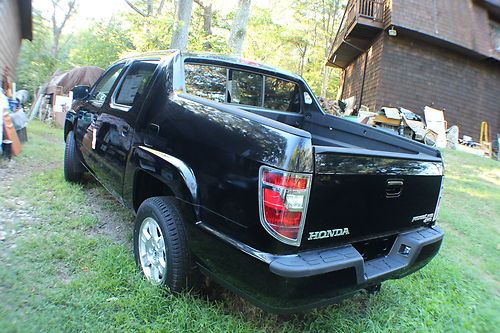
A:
(15, 25)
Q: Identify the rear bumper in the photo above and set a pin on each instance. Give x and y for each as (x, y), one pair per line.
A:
(291, 283)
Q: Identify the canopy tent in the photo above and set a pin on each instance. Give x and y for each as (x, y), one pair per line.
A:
(61, 84)
(79, 76)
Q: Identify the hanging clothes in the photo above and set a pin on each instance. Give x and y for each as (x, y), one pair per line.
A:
(4, 106)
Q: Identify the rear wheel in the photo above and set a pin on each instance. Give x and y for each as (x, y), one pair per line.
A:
(73, 168)
(160, 244)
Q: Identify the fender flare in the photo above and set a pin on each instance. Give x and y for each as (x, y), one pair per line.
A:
(69, 123)
(171, 171)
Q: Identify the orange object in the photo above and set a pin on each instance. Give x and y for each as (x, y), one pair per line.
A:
(484, 139)
(11, 134)
(7, 84)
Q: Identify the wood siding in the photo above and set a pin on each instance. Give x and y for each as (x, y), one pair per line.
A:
(460, 22)
(10, 35)
(416, 74)
(413, 74)
(353, 75)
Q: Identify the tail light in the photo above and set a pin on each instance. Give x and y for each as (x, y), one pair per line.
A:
(438, 204)
(283, 202)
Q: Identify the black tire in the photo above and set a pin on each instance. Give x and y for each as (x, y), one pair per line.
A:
(168, 214)
(73, 168)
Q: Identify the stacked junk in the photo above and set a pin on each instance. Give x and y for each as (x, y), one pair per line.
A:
(431, 130)
(54, 99)
(13, 120)
(50, 105)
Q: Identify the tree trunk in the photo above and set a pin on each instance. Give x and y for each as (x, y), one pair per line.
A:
(303, 53)
(329, 20)
(150, 7)
(324, 84)
(160, 7)
(57, 28)
(181, 25)
(207, 19)
(239, 27)
(56, 35)
(55, 32)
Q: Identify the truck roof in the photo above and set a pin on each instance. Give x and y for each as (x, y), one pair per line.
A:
(241, 62)
(215, 58)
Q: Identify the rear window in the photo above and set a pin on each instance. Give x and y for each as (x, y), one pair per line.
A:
(245, 88)
(206, 81)
(241, 87)
(281, 95)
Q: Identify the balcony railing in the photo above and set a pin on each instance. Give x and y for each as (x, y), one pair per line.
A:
(367, 10)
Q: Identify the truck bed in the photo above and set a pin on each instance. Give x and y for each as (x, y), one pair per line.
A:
(368, 182)
(331, 131)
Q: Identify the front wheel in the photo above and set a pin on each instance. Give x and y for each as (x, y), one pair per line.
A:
(73, 168)
(160, 244)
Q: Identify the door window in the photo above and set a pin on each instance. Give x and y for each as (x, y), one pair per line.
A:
(134, 82)
(103, 87)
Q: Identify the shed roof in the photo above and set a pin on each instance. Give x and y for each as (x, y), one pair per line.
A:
(85, 76)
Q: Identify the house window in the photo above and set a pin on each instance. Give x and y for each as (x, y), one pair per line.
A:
(495, 35)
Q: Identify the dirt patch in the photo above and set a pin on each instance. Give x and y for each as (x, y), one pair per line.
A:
(12, 170)
(114, 221)
(15, 214)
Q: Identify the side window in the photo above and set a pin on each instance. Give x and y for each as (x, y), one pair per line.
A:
(134, 82)
(245, 88)
(281, 95)
(101, 90)
(206, 81)
(495, 35)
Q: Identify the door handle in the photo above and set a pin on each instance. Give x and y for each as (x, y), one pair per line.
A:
(153, 129)
(125, 130)
(394, 188)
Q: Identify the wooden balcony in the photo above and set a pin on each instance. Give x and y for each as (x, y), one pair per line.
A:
(362, 21)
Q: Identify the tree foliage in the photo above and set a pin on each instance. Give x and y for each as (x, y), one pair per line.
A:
(100, 45)
(36, 63)
(293, 35)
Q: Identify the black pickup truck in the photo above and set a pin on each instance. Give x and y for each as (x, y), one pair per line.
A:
(235, 172)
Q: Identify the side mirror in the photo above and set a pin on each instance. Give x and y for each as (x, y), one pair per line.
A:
(307, 98)
(80, 92)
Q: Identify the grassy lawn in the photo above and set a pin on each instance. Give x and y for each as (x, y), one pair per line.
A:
(67, 265)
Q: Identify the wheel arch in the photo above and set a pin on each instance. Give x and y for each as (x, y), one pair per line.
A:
(159, 174)
(68, 124)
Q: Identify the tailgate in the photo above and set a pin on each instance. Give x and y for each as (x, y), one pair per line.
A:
(358, 195)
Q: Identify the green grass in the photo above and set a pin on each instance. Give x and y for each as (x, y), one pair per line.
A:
(59, 275)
